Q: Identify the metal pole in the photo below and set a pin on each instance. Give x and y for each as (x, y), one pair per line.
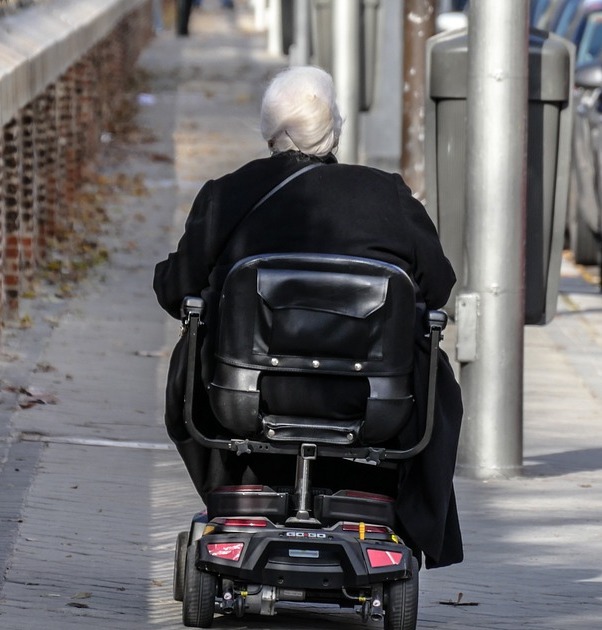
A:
(275, 28)
(346, 71)
(300, 51)
(490, 308)
(260, 14)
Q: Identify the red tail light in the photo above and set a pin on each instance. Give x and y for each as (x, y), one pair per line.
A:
(379, 558)
(247, 488)
(244, 522)
(226, 551)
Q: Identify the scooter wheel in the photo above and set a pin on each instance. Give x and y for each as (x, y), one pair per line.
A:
(198, 605)
(401, 602)
(179, 568)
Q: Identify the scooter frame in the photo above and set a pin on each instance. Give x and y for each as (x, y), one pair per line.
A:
(247, 564)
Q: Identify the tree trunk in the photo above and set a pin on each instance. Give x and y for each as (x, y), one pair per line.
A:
(419, 25)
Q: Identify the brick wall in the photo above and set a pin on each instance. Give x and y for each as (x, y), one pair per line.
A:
(44, 147)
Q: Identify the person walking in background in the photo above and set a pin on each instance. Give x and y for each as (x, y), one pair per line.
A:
(184, 8)
(226, 4)
(157, 16)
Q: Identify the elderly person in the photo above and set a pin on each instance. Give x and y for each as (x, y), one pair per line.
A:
(336, 209)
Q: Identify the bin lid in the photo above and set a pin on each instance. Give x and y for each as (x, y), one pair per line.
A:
(549, 66)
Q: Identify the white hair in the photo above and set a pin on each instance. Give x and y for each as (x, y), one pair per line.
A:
(299, 112)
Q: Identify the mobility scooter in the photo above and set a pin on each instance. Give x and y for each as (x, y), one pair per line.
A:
(259, 547)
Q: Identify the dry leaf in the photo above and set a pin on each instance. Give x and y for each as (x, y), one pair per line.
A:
(459, 602)
(32, 396)
(82, 595)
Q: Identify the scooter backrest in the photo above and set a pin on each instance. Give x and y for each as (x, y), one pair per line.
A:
(312, 314)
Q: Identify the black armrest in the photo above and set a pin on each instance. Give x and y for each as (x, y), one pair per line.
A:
(191, 304)
(437, 319)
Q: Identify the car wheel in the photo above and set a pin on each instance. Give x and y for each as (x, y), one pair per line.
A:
(584, 245)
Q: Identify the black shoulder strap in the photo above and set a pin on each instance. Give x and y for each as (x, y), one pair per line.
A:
(274, 190)
(281, 185)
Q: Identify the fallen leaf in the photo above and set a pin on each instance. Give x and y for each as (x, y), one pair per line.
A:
(82, 595)
(32, 396)
(25, 322)
(160, 157)
(44, 367)
(459, 602)
(150, 353)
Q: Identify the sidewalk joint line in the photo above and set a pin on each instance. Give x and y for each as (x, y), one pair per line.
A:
(80, 441)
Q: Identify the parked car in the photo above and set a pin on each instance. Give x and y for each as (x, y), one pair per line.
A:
(453, 14)
(585, 31)
(546, 14)
(585, 197)
(562, 15)
(580, 21)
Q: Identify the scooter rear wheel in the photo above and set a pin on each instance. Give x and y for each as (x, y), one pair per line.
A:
(179, 570)
(198, 605)
(401, 602)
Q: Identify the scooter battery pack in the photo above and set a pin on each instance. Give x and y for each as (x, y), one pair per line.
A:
(347, 505)
(248, 501)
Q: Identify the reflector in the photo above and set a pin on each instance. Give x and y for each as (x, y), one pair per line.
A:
(226, 551)
(379, 558)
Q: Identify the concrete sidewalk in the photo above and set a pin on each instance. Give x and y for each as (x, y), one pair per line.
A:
(93, 495)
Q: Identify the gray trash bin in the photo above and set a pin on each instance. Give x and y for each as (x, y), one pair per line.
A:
(548, 158)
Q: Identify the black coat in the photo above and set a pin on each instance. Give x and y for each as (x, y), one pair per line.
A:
(337, 209)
